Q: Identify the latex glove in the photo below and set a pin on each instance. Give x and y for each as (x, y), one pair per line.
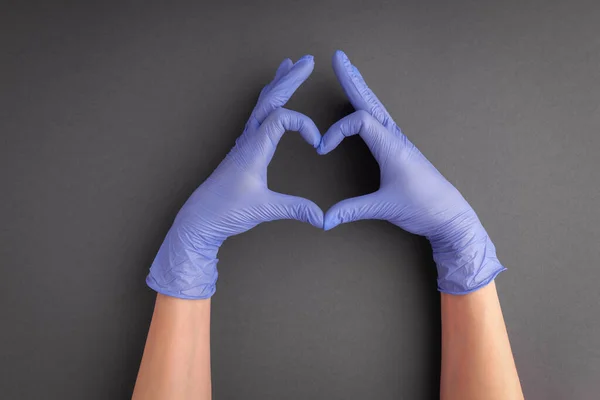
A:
(235, 198)
(413, 194)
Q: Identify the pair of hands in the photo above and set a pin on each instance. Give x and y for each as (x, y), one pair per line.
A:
(235, 198)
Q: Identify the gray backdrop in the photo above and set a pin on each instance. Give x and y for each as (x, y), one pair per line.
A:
(111, 115)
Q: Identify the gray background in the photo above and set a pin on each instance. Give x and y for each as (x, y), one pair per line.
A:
(111, 115)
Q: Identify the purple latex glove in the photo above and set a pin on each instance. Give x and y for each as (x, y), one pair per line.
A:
(413, 194)
(235, 198)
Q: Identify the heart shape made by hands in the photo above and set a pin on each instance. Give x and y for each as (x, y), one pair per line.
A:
(412, 194)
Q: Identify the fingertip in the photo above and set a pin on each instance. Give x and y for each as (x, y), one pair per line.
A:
(322, 149)
(283, 68)
(306, 64)
(282, 120)
(352, 209)
(285, 64)
(309, 130)
(317, 219)
(331, 218)
(287, 80)
(306, 57)
(329, 224)
(317, 138)
(320, 142)
(339, 55)
(339, 62)
(351, 81)
(347, 126)
(326, 145)
(312, 214)
(297, 74)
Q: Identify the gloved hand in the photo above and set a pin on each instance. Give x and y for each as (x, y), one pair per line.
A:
(413, 194)
(235, 198)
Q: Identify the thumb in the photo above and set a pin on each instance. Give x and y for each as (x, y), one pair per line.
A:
(283, 206)
(369, 206)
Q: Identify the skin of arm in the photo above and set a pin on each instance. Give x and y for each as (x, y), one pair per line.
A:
(176, 360)
(477, 361)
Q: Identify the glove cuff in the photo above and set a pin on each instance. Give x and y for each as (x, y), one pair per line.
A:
(469, 269)
(204, 291)
(182, 273)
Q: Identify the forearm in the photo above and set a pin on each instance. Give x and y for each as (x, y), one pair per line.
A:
(176, 361)
(477, 361)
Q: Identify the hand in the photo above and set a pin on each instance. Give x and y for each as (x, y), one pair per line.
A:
(235, 198)
(413, 194)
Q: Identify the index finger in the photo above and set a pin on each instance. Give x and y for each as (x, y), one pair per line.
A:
(376, 136)
(283, 120)
(281, 91)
